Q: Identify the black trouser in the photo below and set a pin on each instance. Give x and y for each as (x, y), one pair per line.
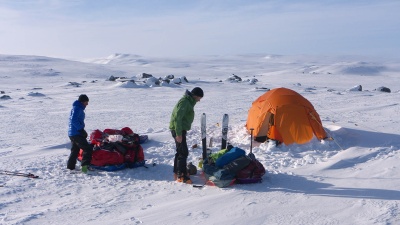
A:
(182, 152)
(79, 142)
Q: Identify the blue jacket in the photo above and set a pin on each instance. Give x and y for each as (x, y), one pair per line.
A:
(76, 119)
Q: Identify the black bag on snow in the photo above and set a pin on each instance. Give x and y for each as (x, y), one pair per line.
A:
(237, 165)
(251, 174)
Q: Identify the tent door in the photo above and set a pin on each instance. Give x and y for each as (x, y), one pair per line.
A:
(265, 126)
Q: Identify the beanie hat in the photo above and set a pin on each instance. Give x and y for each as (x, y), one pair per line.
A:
(83, 98)
(197, 92)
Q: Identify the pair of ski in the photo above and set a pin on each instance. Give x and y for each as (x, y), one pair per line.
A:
(11, 173)
(203, 128)
(225, 122)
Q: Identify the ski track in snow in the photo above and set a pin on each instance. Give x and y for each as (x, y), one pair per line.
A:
(351, 180)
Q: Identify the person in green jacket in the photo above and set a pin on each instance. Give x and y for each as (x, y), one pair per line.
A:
(181, 121)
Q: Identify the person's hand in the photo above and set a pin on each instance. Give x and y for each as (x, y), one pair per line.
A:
(178, 139)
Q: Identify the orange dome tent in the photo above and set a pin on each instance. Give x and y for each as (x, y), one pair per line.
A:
(284, 115)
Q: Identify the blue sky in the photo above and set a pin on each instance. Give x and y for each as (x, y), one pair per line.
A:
(98, 28)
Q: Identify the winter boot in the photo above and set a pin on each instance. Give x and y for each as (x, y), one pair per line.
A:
(184, 179)
(85, 169)
(88, 170)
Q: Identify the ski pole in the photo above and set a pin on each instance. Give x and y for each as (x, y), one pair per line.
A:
(251, 140)
(251, 155)
(28, 175)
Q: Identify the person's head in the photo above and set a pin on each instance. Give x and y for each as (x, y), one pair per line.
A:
(197, 93)
(84, 99)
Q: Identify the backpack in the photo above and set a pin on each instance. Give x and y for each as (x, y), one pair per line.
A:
(237, 165)
(251, 174)
(228, 157)
(134, 155)
(217, 177)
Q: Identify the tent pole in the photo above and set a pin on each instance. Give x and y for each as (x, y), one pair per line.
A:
(329, 138)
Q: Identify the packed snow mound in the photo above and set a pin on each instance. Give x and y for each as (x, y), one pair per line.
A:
(27, 67)
(272, 56)
(36, 94)
(363, 68)
(356, 88)
(129, 84)
(121, 59)
(351, 68)
(21, 59)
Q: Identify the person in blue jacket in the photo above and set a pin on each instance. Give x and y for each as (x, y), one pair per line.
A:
(78, 135)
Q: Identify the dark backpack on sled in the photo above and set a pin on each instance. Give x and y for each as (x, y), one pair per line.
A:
(217, 177)
(251, 174)
(226, 176)
(237, 165)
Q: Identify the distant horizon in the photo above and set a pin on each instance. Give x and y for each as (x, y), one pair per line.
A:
(90, 29)
(344, 57)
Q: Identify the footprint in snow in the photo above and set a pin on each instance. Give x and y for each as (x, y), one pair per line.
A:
(137, 221)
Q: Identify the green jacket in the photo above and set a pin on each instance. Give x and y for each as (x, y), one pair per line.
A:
(183, 114)
(218, 154)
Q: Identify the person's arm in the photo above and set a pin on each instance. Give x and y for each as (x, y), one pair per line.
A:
(180, 113)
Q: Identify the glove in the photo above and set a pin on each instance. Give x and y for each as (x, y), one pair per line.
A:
(83, 133)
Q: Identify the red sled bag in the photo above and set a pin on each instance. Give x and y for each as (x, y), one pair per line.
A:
(112, 132)
(104, 154)
(104, 157)
(96, 137)
(134, 157)
(115, 147)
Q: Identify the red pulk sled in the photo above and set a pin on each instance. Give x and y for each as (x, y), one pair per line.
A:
(115, 149)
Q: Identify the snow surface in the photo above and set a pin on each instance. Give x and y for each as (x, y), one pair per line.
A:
(351, 180)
